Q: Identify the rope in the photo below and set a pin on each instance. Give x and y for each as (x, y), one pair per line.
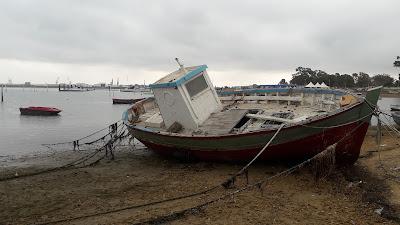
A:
(288, 171)
(71, 164)
(258, 184)
(231, 180)
(228, 181)
(131, 207)
(381, 165)
(90, 135)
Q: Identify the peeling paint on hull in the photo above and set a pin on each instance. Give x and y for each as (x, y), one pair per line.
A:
(347, 151)
(346, 127)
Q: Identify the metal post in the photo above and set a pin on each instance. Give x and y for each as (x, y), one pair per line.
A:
(2, 95)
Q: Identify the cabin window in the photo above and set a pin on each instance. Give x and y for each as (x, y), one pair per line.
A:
(196, 85)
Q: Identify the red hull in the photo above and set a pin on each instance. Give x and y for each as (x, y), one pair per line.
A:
(347, 151)
(125, 101)
(346, 128)
(39, 111)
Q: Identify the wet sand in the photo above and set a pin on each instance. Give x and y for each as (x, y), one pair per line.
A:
(366, 193)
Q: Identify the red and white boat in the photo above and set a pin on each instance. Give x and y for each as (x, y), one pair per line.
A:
(186, 118)
(39, 111)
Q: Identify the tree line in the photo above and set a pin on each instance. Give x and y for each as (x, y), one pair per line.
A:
(303, 76)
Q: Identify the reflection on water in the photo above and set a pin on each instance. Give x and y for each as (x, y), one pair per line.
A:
(83, 113)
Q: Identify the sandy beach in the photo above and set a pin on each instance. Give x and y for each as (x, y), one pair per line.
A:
(366, 193)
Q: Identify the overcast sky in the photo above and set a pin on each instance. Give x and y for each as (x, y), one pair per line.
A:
(242, 42)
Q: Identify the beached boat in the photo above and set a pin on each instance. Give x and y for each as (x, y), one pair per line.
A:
(125, 100)
(39, 111)
(395, 107)
(186, 118)
(396, 117)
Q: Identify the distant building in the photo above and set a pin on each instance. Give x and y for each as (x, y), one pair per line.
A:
(28, 84)
(266, 86)
(102, 85)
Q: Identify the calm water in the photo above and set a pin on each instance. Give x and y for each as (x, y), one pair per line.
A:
(83, 113)
(384, 105)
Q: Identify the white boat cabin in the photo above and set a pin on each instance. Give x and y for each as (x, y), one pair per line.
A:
(185, 96)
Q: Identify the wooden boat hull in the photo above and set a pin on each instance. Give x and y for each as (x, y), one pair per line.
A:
(125, 101)
(396, 117)
(30, 112)
(395, 108)
(298, 141)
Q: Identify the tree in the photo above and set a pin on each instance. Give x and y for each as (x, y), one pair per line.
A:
(283, 81)
(382, 80)
(363, 80)
(346, 81)
(355, 77)
(302, 76)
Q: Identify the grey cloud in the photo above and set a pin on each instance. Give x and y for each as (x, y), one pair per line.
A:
(337, 35)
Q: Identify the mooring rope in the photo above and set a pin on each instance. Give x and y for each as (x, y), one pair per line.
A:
(224, 184)
(258, 184)
(381, 165)
(198, 208)
(81, 160)
(231, 180)
(85, 137)
(77, 146)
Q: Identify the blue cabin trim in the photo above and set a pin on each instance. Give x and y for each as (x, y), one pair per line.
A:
(254, 91)
(281, 90)
(181, 80)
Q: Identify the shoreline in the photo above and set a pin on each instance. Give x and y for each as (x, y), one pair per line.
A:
(353, 195)
(390, 95)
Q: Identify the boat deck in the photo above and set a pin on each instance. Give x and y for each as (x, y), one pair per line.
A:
(242, 117)
(222, 122)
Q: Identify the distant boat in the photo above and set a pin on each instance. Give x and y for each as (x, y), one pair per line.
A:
(396, 117)
(125, 100)
(39, 111)
(74, 88)
(395, 107)
(137, 90)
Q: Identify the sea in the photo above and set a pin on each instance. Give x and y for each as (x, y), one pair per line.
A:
(82, 113)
